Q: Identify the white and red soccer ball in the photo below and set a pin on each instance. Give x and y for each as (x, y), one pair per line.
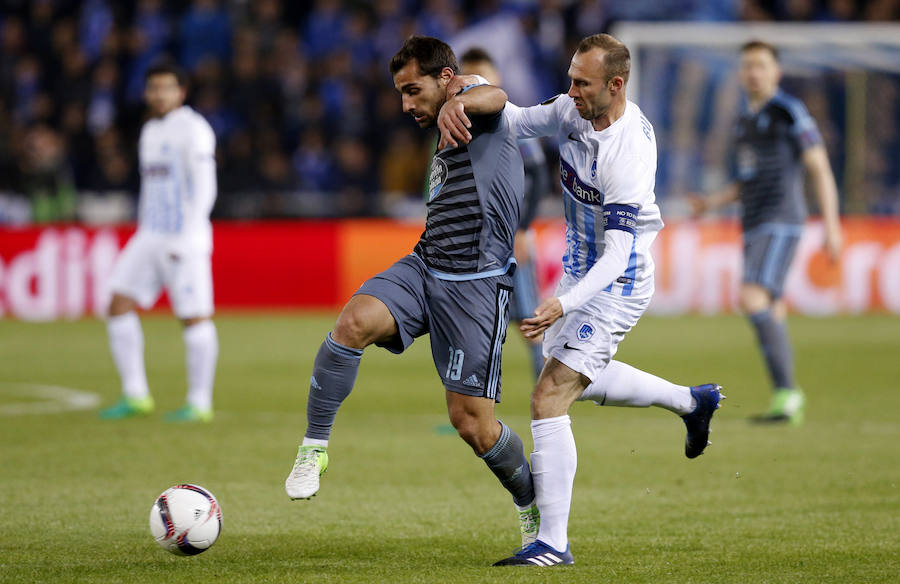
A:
(186, 520)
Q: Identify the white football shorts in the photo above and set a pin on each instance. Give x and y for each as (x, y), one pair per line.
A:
(586, 339)
(148, 264)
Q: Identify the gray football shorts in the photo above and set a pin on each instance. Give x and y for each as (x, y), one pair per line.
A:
(467, 321)
(769, 250)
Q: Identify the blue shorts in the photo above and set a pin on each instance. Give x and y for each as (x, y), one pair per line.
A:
(466, 319)
(769, 250)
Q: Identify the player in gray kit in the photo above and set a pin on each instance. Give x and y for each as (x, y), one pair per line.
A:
(476, 61)
(456, 285)
(775, 141)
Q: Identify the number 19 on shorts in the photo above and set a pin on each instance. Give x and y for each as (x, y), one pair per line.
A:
(454, 366)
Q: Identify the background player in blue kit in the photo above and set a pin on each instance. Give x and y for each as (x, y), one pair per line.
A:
(477, 61)
(456, 284)
(775, 140)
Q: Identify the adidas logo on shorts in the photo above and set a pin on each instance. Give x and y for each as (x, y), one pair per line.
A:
(472, 381)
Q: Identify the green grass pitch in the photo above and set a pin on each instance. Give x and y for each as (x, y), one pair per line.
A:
(405, 500)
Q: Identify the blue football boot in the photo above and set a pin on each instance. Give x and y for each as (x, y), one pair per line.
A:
(538, 554)
(708, 397)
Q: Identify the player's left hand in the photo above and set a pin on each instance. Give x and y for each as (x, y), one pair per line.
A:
(549, 311)
(833, 245)
(458, 83)
(454, 124)
(697, 204)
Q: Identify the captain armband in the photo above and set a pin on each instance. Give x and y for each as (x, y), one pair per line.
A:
(621, 217)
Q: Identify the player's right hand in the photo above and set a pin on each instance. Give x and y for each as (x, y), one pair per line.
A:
(548, 312)
(453, 123)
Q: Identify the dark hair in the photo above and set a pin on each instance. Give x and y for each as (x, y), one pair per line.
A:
(477, 55)
(616, 58)
(167, 68)
(758, 44)
(430, 53)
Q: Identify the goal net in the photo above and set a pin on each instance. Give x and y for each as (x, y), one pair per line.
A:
(684, 77)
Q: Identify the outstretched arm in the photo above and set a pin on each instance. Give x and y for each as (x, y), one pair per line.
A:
(701, 204)
(815, 160)
(453, 119)
(610, 266)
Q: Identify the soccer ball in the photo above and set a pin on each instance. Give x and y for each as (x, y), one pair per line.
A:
(186, 520)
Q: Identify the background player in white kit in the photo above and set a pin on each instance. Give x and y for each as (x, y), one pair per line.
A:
(171, 250)
(607, 170)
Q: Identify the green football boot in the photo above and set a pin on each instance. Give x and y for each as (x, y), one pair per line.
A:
(189, 413)
(788, 406)
(128, 407)
(529, 524)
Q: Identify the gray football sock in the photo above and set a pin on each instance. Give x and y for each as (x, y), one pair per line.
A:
(334, 373)
(776, 348)
(506, 459)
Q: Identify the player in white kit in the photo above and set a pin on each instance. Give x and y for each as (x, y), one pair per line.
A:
(607, 171)
(171, 249)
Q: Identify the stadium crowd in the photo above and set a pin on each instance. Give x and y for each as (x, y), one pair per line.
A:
(298, 93)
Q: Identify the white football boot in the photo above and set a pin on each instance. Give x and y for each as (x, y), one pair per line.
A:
(311, 463)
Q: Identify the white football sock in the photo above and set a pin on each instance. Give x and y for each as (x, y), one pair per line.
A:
(201, 350)
(623, 385)
(553, 465)
(314, 442)
(126, 342)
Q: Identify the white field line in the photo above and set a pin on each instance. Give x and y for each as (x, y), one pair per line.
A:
(53, 399)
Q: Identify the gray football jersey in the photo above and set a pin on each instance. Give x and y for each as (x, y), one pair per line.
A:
(474, 199)
(767, 161)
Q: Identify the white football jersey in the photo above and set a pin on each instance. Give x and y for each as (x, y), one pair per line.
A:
(602, 173)
(178, 178)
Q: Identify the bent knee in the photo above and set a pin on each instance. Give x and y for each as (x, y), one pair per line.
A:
(543, 405)
(364, 320)
(552, 397)
(120, 304)
(353, 329)
(475, 432)
(754, 298)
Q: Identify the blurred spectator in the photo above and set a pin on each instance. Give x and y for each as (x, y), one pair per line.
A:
(27, 82)
(102, 104)
(313, 163)
(205, 32)
(357, 181)
(402, 170)
(44, 176)
(73, 123)
(300, 96)
(147, 41)
(324, 28)
(96, 24)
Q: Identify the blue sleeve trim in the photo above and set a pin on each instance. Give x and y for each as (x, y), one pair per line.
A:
(621, 217)
(472, 276)
(468, 87)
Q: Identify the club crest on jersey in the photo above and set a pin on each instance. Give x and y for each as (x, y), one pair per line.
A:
(438, 176)
(585, 331)
(594, 169)
(746, 162)
(576, 187)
